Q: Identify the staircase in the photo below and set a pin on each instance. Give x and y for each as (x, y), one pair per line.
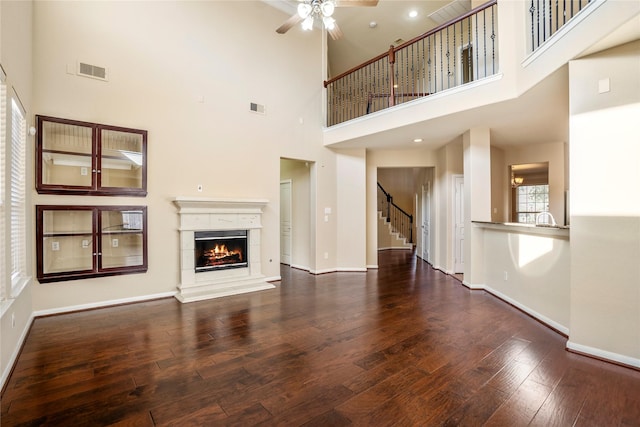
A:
(395, 226)
(388, 238)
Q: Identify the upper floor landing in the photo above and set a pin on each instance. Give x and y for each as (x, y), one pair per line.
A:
(504, 66)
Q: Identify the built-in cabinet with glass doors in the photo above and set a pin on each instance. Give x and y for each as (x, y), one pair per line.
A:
(82, 158)
(75, 242)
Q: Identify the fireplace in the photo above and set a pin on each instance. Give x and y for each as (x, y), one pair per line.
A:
(235, 269)
(221, 249)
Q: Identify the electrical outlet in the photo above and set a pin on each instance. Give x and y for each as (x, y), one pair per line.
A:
(85, 244)
(506, 276)
(13, 320)
(114, 243)
(55, 246)
(83, 171)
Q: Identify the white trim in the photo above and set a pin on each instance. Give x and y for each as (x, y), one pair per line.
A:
(103, 304)
(273, 279)
(603, 354)
(326, 270)
(299, 267)
(396, 247)
(372, 266)
(16, 352)
(541, 317)
(351, 270)
(477, 287)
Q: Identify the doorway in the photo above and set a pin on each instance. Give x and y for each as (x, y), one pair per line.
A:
(426, 222)
(458, 224)
(297, 205)
(285, 222)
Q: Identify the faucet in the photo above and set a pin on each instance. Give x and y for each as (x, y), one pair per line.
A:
(549, 221)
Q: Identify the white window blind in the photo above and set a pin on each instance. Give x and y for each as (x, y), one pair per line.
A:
(3, 143)
(18, 197)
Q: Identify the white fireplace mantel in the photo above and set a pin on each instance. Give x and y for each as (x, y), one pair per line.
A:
(210, 214)
(191, 205)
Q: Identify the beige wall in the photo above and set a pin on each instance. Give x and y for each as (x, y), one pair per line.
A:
(450, 163)
(605, 205)
(350, 211)
(186, 72)
(530, 269)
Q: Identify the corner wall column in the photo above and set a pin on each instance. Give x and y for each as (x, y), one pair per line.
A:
(477, 201)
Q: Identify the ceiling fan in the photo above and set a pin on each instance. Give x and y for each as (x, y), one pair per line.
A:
(308, 10)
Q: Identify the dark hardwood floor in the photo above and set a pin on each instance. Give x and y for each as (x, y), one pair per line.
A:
(404, 345)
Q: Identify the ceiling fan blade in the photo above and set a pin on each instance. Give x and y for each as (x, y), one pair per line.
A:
(288, 24)
(336, 33)
(353, 3)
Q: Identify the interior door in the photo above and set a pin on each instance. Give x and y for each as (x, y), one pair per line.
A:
(458, 224)
(426, 222)
(285, 222)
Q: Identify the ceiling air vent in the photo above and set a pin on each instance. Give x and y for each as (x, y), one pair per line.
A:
(257, 108)
(92, 71)
(451, 11)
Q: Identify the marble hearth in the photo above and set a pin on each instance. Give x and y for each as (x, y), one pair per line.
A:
(209, 214)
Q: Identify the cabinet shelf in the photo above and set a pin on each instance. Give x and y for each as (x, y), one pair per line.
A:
(77, 242)
(83, 158)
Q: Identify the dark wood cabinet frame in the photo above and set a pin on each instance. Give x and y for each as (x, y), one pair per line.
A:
(96, 188)
(97, 243)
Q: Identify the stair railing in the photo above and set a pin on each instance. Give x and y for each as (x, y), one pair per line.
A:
(457, 52)
(401, 221)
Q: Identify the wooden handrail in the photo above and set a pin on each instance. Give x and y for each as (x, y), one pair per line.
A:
(393, 50)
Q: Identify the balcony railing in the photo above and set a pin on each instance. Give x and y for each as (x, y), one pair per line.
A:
(548, 16)
(452, 54)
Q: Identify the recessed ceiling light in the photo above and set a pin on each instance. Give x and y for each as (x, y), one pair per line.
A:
(373, 24)
(417, 140)
(413, 14)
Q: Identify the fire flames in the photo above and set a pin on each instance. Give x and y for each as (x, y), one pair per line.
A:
(220, 252)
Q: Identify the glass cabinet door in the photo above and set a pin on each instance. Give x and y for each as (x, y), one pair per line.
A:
(121, 159)
(66, 157)
(67, 241)
(123, 242)
(78, 242)
(89, 159)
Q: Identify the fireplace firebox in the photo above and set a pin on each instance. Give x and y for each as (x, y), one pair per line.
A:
(218, 250)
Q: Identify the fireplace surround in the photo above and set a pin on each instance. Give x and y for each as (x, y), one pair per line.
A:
(219, 219)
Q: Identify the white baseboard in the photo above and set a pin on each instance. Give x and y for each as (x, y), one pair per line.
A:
(273, 279)
(60, 310)
(16, 352)
(352, 270)
(396, 247)
(326, 270)
(540, 317)
(373, 266)
(474, 286)
(299, 267)
(603, 354)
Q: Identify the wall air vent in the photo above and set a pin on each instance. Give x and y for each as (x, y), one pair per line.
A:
(92, 71)
(257, 108)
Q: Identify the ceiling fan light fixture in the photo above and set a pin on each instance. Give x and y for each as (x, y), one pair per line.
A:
(329, 23)
(304, 9)
(327, 7)
(307, 24)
